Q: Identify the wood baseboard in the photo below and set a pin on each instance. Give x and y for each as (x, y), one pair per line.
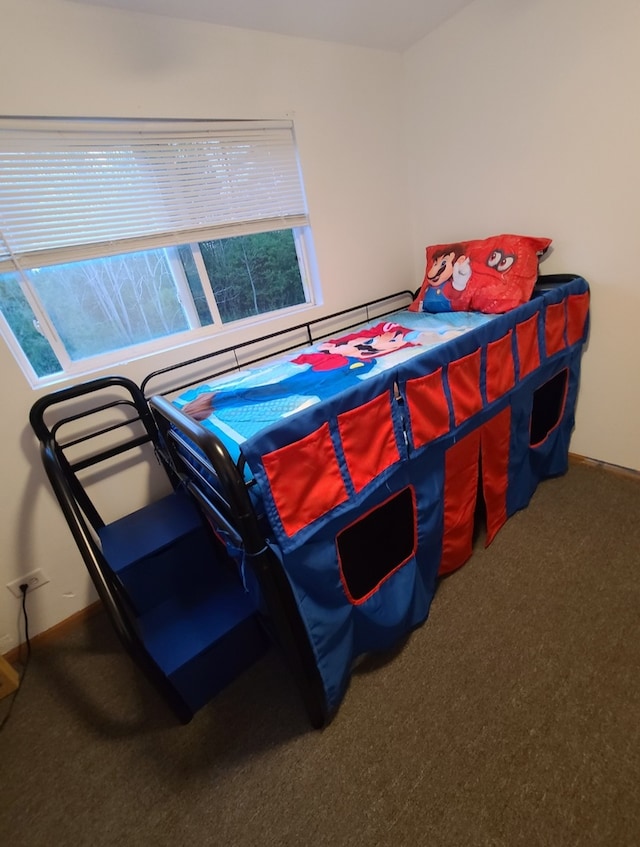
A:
(56, 631)
(9, 679)
(576, 459)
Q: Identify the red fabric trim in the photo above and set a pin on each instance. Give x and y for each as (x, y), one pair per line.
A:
(462, 466)
(464, 384)
(305, 480)
(528, 349)
(501, 374)
(428, 408)
(577, 310)
(387, 576)
(494, 442)
(368, 440)
(554, 323)
(460, 492)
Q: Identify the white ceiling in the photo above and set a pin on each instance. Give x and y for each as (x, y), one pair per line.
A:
(383, 24)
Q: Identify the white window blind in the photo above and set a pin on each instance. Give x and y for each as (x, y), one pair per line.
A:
(72, 189)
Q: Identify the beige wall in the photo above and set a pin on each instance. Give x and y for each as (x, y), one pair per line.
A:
(523, 116)
(61, 58)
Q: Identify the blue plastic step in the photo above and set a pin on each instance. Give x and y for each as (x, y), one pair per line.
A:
(194, 616)
(205, 636)
(158, 548)
(149, 530)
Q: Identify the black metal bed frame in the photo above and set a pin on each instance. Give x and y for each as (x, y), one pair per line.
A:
(190, 456)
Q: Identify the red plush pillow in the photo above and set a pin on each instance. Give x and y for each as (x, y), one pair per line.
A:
(492, 275)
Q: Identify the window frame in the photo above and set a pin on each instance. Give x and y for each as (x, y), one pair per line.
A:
(298, 224)
(196, 332)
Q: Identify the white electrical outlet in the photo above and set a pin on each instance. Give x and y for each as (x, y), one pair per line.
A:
(32, 580)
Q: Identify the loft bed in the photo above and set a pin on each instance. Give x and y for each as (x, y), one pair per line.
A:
(327, 477)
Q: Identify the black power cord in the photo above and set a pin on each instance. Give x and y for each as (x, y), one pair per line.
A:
(23, 588)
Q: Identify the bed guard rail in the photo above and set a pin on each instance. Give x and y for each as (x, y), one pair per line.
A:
(292, 338)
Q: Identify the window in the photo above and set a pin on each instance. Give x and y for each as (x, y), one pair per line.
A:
(121, 238)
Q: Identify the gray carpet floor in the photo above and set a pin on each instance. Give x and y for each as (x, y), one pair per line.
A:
(511, 717)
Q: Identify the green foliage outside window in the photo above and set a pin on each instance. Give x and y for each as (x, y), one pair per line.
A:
(109, 304)
(22, 321)
(112, 303)
(253, 274)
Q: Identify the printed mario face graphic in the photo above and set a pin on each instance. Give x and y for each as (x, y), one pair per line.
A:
(358, 348)
(441, 269)
(443, 264)
(389, 338)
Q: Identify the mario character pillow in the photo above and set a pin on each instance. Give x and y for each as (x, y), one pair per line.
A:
(491, 275)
